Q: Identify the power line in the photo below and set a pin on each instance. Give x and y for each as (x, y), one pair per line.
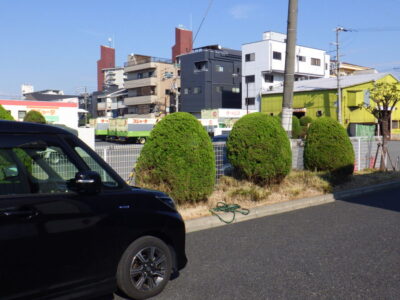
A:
(202, 21)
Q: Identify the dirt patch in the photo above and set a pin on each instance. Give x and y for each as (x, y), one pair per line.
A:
(297, 185)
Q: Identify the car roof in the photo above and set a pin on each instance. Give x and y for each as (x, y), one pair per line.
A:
(27, 127)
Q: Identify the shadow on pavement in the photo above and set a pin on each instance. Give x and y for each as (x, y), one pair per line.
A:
(385, 199)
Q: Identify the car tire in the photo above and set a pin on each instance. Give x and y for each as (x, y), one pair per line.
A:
(145, 268)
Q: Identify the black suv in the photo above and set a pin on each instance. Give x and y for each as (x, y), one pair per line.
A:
(70, 226)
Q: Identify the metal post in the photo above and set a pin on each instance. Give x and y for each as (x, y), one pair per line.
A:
(287, 110)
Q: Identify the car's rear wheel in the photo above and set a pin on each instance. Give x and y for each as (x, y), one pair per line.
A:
(144, 268)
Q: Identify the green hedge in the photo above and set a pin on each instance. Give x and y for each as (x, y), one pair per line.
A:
(35, 117)
(328, 148)
(5, 115)
(305, 120)
(296, 128)
(178, 158)
(259, 149)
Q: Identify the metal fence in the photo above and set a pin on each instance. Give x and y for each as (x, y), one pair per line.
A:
(365, 149)
(122, 158)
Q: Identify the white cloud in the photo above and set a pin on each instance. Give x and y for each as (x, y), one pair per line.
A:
(241, 11)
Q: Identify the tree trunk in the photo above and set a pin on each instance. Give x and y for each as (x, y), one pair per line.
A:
(385, 137)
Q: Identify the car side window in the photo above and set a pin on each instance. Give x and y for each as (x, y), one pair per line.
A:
(106, 179)
(34, 165)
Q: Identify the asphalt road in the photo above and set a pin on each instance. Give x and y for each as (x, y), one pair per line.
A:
(342, 250)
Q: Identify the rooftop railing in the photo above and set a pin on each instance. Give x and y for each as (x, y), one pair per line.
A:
(145, 60)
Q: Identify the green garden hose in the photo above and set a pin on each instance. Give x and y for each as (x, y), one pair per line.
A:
(233, 208)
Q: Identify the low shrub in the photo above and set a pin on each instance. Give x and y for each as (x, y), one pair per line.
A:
(259, 149)
(178, 158)
(296, 128)
(328, 148)
(35, 117)
(5, 115)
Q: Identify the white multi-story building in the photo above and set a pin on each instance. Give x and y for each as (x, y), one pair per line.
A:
(263, 66)
(114, 76)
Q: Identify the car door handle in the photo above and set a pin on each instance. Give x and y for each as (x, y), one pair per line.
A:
(29, 213)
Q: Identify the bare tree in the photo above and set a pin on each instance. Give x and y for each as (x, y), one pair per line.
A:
(384, 98)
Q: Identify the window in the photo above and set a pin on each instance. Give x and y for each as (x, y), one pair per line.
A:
(276, 55)
(139, 75)
(250, 78)
(106, 179)
(218, 89)
(250, 57)
(326, 66)
(235, 90)
(21, 114)
(301, 58)
(268, 78)
(34, 165)
(200, 66)
(315, 61)
(250, 101)
(395, 124)
(196, 90)
(219, 68)
(186, 91)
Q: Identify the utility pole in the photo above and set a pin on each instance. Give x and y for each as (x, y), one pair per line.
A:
(339, 89)
(287, 110)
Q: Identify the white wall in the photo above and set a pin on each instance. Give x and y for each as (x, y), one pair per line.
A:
(87, 135)
(264, 63)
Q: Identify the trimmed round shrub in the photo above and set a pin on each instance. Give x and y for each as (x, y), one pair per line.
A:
(178, 158)
(259, 149)
(296, 128)
(5, 115)
(35, 117)
(305, 120)
(328, 148)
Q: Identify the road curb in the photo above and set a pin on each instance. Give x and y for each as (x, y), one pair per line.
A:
(277, 208)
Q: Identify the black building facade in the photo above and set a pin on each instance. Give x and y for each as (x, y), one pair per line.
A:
(210, 79)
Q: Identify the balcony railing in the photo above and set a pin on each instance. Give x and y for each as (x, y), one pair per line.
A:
(147, 60)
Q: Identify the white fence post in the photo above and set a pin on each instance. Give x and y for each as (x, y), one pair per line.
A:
(359, 155)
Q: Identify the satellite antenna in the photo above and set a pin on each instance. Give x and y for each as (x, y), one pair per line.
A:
(110, 42)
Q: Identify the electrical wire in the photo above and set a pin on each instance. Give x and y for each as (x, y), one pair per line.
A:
(202, 21)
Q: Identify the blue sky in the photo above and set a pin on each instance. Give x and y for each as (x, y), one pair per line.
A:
(55, 44)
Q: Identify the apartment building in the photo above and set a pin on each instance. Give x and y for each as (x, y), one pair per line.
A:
(149, 82)
(210, 79)
(263, 66)
(114, 77)
(346, 69)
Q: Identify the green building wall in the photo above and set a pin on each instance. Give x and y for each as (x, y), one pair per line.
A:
(325, 102)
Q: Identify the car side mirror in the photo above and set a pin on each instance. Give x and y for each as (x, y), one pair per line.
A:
(88, 182)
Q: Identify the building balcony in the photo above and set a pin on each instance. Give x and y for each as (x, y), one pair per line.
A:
(110, 106)
(137, 83)
(139, 67)
(149, 99)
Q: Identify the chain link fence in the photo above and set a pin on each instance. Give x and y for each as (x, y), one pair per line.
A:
(122, 158)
